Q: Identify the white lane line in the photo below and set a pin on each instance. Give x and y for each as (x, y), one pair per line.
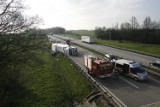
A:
(130, 83)
(153, 79)
(152, 104)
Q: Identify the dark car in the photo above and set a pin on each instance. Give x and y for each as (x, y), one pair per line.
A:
(155, 63)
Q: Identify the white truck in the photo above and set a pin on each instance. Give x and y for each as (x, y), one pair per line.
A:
(64, 48)
(131, 69)
(87, 39)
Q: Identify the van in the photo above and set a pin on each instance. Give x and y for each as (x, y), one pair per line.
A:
(131, 69)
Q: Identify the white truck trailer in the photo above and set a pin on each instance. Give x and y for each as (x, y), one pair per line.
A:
(87, 39)
(63, 48)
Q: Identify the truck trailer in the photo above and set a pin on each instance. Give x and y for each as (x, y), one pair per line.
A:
(131, 69)
(87, 39)
(99, 67)
(64, 48)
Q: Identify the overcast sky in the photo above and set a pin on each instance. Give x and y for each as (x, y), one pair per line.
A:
(88, 14)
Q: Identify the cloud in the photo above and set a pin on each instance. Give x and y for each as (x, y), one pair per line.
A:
(103, 12)
(87, 14)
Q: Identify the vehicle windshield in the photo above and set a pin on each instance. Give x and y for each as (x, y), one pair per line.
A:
(105, 66)
(113, 57)
(139, 70)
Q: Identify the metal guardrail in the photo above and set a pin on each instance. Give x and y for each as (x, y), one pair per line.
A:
(113, 100)
(111, 95)
(153, 71)
(108, 95)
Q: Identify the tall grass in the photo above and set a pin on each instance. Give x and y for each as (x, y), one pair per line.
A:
(84, 32)
(139, 47)
(52, 82)
(149, 49)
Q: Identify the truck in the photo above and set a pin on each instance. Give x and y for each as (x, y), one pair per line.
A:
(131, 69)
(63, 48)
(99, 67)
(111, 57)
(87, 39)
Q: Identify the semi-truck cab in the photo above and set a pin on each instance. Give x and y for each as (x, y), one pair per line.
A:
(131, 69)
(99, 67)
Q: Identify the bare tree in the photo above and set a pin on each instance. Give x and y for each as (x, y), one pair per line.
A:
(155, 25)
(18, 40)
(147, 23)
(126, 25)
(134, 23)
(11, 18)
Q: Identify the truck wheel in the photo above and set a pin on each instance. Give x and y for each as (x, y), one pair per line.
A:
(89, 72)
(135, 78)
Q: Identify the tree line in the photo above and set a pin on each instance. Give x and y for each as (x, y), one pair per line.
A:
(148, 32)
(18, 40)
(55, 30)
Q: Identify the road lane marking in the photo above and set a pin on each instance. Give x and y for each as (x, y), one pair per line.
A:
(130, 83)
(152, 104)
(153, 79)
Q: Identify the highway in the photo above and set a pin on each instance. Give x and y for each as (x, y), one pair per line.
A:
(143, 59)
(130, 92)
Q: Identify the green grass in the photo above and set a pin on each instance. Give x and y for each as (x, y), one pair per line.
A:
(139, 47)
(83, 32)
(149, 49)
(53, 82)
(91, 50)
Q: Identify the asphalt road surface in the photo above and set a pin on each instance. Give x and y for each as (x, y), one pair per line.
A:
(143, 59)
(129, 91)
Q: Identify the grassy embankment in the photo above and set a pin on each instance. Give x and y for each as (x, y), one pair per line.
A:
(53, 82)
(83, 32)
(138, 47)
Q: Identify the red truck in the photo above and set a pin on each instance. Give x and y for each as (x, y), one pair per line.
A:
(99, 67)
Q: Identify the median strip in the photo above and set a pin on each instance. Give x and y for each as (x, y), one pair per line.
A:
(150, 70)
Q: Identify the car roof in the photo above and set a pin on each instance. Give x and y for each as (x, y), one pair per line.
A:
(132, 64)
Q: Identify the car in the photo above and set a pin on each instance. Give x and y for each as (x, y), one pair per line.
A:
(155, 63)
(111, 58)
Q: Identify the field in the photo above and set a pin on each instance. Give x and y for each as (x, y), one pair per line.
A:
(83, 32)
(150, 49)
(52, 82)
(138, 47)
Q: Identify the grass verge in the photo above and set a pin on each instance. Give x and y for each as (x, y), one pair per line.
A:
(151, 71)
(148, 49)
(91, 50)
(52, 82)
(82, 32)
